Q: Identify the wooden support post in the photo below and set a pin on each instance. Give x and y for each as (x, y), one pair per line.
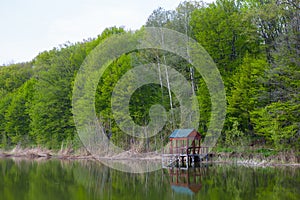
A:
(187, 145)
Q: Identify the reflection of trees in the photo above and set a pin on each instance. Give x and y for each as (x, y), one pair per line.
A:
(56, 179)
(106, 183)
(94, 177)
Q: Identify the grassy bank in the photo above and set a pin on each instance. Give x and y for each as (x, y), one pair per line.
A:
(251, 157)
(256, 156)
(39, 152)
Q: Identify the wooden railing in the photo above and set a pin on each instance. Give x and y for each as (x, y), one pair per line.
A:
(189, 150)
(204, 150)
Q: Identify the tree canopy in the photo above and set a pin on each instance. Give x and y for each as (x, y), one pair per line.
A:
(255, 44)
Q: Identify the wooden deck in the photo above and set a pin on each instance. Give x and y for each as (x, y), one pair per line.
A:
(184, 158)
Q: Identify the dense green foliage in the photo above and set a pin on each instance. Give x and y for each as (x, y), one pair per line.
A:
(255, 44)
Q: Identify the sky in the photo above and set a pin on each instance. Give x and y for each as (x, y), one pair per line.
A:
(29, 27)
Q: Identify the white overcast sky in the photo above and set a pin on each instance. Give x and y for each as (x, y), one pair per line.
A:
(28, 27)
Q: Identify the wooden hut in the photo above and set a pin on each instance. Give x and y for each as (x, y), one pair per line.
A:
(185, 141)
(184, 149)
(185, 145)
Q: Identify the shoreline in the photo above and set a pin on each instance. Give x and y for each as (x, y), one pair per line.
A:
(252, 160)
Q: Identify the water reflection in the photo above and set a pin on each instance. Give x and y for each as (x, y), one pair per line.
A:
(57, 179)
(187, 181)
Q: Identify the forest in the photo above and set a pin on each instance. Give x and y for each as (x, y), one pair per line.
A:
(254, 43)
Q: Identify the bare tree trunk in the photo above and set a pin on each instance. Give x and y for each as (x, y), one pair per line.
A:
(160, 79)
(186, 27)
(169, 87)
(167, 74)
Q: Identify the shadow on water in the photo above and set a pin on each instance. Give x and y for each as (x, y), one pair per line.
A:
(63, 179)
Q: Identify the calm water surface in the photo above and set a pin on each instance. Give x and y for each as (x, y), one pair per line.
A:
(56, 179)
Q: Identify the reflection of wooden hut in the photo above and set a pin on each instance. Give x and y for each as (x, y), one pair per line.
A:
(186, 181)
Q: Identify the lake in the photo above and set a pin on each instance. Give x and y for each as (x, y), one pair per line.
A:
(63, 179)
